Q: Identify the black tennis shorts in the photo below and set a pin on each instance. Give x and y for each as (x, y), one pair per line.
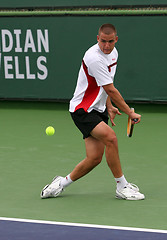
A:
(86, 122)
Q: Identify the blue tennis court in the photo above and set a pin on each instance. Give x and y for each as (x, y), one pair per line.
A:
(14, 229)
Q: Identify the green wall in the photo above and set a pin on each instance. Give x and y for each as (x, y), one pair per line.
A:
(69, 3)
(44, 64)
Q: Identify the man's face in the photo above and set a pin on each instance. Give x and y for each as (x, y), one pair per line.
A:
(107, 42)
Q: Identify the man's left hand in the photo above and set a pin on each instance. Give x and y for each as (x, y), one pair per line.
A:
(112, 113)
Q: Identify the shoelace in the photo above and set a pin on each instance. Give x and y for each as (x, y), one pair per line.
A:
(132, 186)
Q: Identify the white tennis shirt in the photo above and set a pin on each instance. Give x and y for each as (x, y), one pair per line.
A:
(97, 69)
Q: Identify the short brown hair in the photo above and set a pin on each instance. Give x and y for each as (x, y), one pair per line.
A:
(107, 28)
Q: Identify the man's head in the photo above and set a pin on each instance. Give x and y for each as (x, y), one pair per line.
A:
(107, 37)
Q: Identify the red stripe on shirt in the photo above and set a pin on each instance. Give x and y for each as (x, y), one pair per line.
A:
(91, 92)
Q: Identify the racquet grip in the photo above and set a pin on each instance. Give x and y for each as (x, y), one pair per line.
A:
(135, 119)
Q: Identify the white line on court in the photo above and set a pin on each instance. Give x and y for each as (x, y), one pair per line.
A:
(83, 225)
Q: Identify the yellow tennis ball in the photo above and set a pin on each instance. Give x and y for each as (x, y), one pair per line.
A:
(50, 131)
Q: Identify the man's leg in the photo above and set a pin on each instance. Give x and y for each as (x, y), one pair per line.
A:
(107, 136)
(124, 189)
(94, 154)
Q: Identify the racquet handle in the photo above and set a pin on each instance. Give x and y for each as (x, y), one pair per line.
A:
(135, 119)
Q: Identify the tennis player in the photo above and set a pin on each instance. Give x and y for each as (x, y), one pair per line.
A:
(90, 109)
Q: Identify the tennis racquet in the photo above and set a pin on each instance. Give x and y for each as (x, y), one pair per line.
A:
(130, 125)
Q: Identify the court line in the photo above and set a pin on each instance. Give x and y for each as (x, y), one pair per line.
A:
(83, 225)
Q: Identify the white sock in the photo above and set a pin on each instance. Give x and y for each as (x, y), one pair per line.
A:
(121, 182)
(66, 181)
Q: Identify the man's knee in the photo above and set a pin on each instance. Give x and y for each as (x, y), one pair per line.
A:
(110, 139)
(98, 160)
(95, 160)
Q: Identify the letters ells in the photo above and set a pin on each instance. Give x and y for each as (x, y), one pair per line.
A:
(19, 57)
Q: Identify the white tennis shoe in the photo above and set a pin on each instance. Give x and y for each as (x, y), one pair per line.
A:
(52, 190)
(129, 192)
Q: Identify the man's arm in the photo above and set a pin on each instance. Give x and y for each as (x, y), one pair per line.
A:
(116, 98)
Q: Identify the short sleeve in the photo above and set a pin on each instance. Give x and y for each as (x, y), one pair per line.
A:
(100, 72)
